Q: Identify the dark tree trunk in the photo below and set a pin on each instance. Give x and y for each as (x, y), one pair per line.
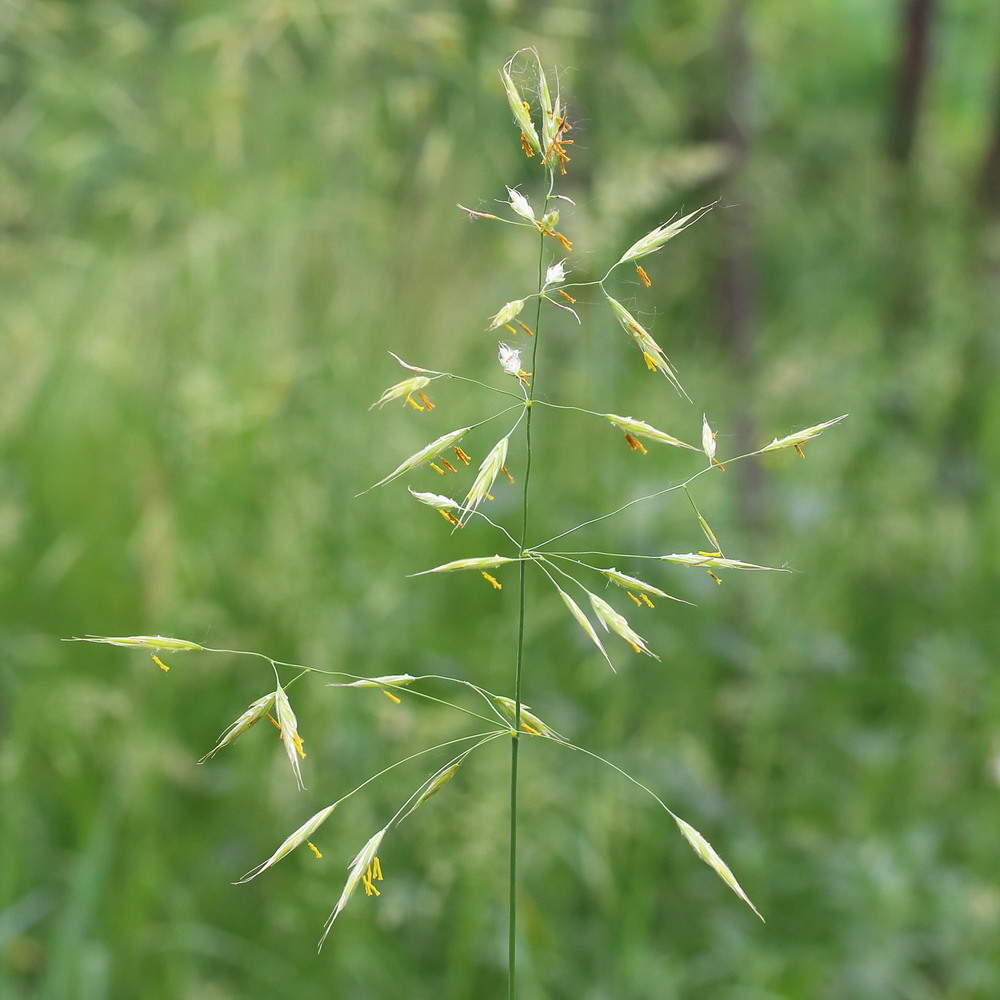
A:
(989, 179)
(915, 22)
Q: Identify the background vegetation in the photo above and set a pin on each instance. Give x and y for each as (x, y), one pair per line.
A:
(216, 217)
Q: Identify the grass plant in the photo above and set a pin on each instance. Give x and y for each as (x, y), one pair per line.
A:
(570, 578)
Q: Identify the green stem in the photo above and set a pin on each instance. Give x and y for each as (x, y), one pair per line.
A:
(519, 663)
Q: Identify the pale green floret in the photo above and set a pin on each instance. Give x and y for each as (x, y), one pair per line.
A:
(388, 680)
(509, 311)
(289, 727)
(154, 642)
(652, 242)
(530, 722)
(641, 429)
(521, 115)
(300, 836)
(707, 438)
(708, 854)
(435, 500)
(434, 785)
(254, 713)
(618, 624)
(401, 390)
(632, 583)
(358, 868)
(799, 438)
(520, 204)
(484, 562)
(584, 621)
(550, 111)
(424, 455)
(716, 562)
(486, 477)
(652, 353)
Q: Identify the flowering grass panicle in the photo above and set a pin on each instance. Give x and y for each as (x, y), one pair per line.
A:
(542, 125)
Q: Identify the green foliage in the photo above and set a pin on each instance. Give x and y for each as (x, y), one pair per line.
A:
(209, 213)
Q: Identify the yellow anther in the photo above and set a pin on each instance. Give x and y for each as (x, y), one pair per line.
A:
(799, 451)
(437, 469)
(414, 403)
(448, 516)
(497, 585)
(274, 722)
(530, 729)
(312, 847)
(647, 601)
(566, 296)
(635, 444)
(567, 245)
(714, 577)
(376, 869)
(634, 598)
(506, 472)
(297, 740)
(392, 697)
(509, 327)
(526, 146)
(160, 662)
(448, 465)
(425, 401)
(527, 329)
(650, 361)
(462, 456)
(643, 275)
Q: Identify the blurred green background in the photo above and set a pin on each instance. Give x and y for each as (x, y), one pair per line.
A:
(216, 218)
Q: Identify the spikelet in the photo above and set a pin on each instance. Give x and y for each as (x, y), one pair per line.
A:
(710, 856)
(293, 840)
(618, 624)
(289, 727)
(480, 563)
(517, 106)
(486, 477)
(641, 429)
(652, 242)
(584, 622)
(434, 785)
(358, 868)
(799, 438)
(506, 314)
(253, 714)
(154, 642)
(402, 390)
(652, 353)
(424, 455)
(530, 723)
(710, 561)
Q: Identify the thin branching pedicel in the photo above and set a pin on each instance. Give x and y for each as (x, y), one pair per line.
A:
(543, 125)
